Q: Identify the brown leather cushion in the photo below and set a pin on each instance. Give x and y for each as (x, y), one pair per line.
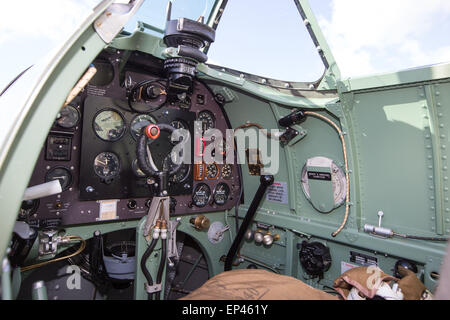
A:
(366, 279)
(251, 284)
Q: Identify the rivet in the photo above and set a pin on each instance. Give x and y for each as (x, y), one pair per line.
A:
(431, 187)
(445, 168)
(432, 208)
(438, 93)
(428, 136)
(440, 115)
(447, 210)
(431, 198)
(441, 125)
(432, 218)
(447, 220)
(439, 104)
(442, 136)
(444, 157)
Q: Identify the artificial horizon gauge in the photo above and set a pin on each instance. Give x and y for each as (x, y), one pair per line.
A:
(319, 175)
(107, 165)
(208, 120)
(139, 122)
(221, 194)
(68, 117)
(109, 125)
(201, 195)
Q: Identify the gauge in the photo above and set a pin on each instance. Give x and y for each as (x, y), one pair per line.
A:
(181, 175)
(208, 120)
(227, 171)
(140, 122)
(107, 165)
(178, 124)
(109, 125)
(212, 171)
(68, 117)
(198, 171)
(201, 195)
(136, 170)
(324, 170)
(62, 174)
(221, 194)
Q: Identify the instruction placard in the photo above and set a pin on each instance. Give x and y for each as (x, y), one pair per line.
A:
(278, 192)
(108, 210)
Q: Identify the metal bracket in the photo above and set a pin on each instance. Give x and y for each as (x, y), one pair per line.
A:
(48, 242)
(153, 289)
(158, 205)
(172, 247)
(115, 17)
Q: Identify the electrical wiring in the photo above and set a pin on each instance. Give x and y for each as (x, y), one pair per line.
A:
(347, 196)
(65, 238)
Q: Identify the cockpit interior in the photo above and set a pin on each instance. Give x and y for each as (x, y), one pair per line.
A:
(151, 174)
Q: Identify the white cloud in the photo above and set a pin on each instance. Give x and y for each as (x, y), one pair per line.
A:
(386, 35)
(49, 19)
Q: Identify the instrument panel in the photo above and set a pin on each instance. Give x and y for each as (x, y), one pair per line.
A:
(91, 149)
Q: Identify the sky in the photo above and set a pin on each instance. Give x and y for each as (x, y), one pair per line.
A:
(262, 37)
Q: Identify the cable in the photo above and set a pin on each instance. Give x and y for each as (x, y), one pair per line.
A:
(144, 259)
(69, 238)
(347, 196)
(406, 236)
(161, 266)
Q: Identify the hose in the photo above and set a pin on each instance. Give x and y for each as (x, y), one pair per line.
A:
(161, 265)
(68, 238)
(144, 259)
(347, 196)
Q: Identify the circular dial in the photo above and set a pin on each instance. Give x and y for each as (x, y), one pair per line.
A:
(68, 117)
(107, 165)
(212, 171)
(208, 120)
(179, 176)
(221, 194)
(109, 125)
(337, 178)
(227, 171)
(62, 174)
(201, 195)
(140, 122)
(136, 170)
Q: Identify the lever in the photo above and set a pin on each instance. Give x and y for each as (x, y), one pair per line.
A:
(265, 182)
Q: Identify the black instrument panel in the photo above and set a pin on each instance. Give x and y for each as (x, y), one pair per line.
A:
(91, 149)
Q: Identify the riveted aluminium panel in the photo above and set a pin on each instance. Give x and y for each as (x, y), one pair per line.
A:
(395, 132)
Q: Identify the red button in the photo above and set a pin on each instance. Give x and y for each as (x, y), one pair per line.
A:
(152, 131)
